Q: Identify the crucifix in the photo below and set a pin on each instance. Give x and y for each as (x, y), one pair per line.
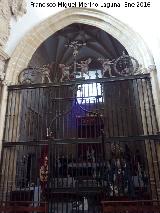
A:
(75, 46)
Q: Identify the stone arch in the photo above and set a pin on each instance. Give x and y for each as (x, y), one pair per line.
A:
(124, 34)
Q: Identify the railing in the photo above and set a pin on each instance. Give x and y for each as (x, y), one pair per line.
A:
(121, 107)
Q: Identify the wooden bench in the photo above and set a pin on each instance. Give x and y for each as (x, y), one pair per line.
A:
(23, 207)
(135, 206)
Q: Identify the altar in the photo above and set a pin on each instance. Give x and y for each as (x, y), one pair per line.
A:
(89, 126)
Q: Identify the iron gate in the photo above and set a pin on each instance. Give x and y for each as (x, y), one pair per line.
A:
(76, 144)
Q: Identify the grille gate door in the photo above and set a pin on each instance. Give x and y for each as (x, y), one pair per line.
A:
(74, 145)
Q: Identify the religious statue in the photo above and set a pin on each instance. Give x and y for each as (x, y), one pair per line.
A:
(84, 66)
(106, 64)
(75, 49)
(65, 69)
(75, 45)
(113, 190)
(43, 173)
(91, 155)
(107, 68)
(45, 74)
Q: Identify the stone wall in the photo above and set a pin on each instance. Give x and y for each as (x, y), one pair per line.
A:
(3, 62)
(9, 8)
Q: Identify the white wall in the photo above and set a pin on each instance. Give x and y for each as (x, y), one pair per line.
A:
(145, 21)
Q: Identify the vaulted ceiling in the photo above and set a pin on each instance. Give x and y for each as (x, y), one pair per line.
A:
(99, 44)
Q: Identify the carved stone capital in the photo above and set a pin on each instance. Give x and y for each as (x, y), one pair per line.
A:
(6, 83)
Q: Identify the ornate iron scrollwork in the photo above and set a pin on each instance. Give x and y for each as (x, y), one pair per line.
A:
(32, 75)
(62, 111)
(106, 64)
(84, 67)
(126, 65)
(66, 74)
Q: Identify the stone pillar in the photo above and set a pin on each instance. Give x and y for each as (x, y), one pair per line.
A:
(152, 152)
(153, 146)
(155, 90)
(3, 61)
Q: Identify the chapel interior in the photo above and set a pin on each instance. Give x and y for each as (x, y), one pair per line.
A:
(80, 126)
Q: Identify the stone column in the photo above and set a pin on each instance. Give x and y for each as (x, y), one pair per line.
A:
(153, 146)
(3, 61)
(155, 90)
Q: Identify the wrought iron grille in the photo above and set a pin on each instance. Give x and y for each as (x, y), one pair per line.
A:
(122, 169)
(76, 144)
(119, 107)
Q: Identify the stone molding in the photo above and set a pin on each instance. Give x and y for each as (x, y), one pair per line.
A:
(3, 55)
(3, 59)
(9, 9)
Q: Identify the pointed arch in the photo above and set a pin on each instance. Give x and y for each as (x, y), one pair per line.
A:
(32, 40)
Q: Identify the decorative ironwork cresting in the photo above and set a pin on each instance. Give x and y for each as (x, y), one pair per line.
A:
(124, 65)
(84, 67)
(106, 64)
(36, 74)
(75, 45)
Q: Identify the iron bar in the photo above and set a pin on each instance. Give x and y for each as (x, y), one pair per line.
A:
(79, 81)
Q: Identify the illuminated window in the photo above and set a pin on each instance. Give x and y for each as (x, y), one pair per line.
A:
(89, 93)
